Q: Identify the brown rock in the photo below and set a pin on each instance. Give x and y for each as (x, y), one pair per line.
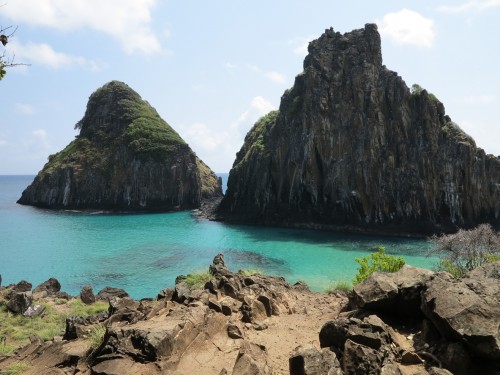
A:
(87, 295)
(51, 286)
(19, 302)
(311, 361)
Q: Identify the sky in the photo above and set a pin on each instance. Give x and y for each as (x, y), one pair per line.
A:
(211, 69)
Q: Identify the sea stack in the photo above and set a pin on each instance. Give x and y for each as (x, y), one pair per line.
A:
(352, 147)
(126, 158)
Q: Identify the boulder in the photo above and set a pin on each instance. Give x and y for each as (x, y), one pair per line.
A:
(34, 311)
(181, 292)
(19, 302)
(397, 293)
(73, 327)
(166, 294)
(51, 286)
(360, 360)
(251, 360)
(109, 292)
(311, 361)
(87, 295)
(468, 309)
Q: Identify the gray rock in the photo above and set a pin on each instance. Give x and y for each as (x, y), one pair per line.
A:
(234, 332)
(34, 311)
(51, 286)
(397, 293)
(109, 293)
(87, 295)
(467, 310)
(73, 327)
(311, 361)
(19, 302)
(181, 292)
(360, 360)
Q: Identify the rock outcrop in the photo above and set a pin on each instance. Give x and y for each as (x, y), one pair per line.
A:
(352, 147)
(125, 158)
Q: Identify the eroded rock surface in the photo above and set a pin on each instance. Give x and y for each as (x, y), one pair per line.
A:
(352, 147)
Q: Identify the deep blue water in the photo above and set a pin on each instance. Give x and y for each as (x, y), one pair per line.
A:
(143, 253)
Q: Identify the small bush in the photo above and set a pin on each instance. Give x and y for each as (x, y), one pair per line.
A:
(250, 272)
(96, 337)
(15, 369)
(377, 262)
(344, 286)
(467, 249)
(78, 308)
(195, 280)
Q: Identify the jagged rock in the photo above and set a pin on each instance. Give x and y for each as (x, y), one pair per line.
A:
(165, 293)
(109, 293)
(397, 293)
(234, 332)
(214, 305)
(19, 302)
(34, 311)
(251, 360)
(352, 147)
(73, 327)
(360, 360)
(125, 158)
(468, 309)
(21, 286)
(392, 369)
(87, 295)
(181, 292)
(51, 286)
(311, 361)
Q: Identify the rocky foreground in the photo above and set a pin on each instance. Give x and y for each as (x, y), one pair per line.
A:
(411, 322)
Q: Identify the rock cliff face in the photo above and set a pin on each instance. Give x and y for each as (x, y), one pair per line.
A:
(125, 158)
(352, 146)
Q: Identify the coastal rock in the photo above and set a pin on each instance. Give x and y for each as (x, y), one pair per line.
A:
(125, 158)
(109, 293)
(87, 295)
(352, 147)
(468, 309)
(397, 293)
(19, 302)
(51, 286)
(311, 361)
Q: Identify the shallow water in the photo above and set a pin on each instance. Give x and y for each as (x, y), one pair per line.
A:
(143, 253)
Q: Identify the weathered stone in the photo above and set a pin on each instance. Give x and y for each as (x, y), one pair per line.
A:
(34, 311)
(439, 371)
(165, 293)
(19, 302)
(351, 145)
(214, 305)
(125, 158)
(259, 325)
(87, 295)
(311, 361)
(234, 332)
(109, 293)
(391, 369)
(72, 330)
(251, 360)
(181, 292)
(21, 286)
(397, 293)
(360, 360)
(51, 286)
(467, 310)
(410, 358)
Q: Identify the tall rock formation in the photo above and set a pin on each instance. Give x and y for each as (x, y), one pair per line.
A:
(352, 146)
(125, 158)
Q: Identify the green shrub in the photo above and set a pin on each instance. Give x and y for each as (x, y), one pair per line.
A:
(250, 272)
(467, 249)
(344, 286)
(377, 262)
(78, 308)
(15, 369)
(96, 337)
(195, 280)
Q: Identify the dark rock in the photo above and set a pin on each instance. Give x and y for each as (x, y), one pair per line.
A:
(87, 295)
(300, 285)
(63, 295)
(352, 147)
(21, 286)
(19, 302)
(109, 293)
(165, 293)
(34, 311)
(214, 305)
(439, 371)
(311, 361)
(72, 327)
(410, 358)
(467, 310)
(226, 308)
(397, 293)
(181, 292)
(234, 332)
(259, 326)
(125, 158)
(51, 286)
(360, 360)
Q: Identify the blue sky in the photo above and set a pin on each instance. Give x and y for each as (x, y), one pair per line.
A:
(211, 69)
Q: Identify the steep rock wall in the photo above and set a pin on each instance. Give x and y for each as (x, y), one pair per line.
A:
(352, 147)
(125, 158)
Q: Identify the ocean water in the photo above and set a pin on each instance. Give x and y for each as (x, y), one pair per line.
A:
(143, 253)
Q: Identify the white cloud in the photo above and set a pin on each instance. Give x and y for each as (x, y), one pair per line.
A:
(25, 109)
(218, 146)
(230, 66)
(276, 77)
(128, 21)
(300, 44)
(44, 54)
(470, 6)
(407, 27)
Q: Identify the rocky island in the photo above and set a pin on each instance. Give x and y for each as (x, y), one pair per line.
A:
(125, 158)
(352, 147)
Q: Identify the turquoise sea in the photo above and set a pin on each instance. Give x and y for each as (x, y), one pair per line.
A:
(143, 253)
